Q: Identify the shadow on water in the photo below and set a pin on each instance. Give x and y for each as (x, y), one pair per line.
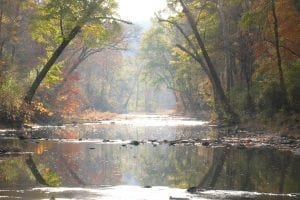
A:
(75, 168)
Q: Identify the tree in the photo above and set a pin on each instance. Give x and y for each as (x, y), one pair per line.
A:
(156, 52)
(207, 65)
(278, 55)
(9, 29)
(70, 17)
(227, 46)
(271, 27)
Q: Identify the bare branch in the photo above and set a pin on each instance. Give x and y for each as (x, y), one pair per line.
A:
(180, 30)
(284, 47)
(61, 22)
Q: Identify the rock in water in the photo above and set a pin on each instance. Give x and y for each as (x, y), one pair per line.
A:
(205, 144)
(175, 198)
(134, 142)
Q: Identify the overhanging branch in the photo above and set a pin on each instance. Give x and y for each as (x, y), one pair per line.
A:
(196, 57)
(115, 19)
(180, 30)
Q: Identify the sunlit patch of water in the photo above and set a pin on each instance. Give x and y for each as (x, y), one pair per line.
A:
(141, 193)
(156, 120)
(120, 192)
(228, 194)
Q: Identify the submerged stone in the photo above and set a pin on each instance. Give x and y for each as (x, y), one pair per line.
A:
(205, 144)
(134, 142)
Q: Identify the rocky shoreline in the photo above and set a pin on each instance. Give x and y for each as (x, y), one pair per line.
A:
(239, 141)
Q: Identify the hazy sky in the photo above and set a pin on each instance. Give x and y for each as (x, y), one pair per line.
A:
(139, 10)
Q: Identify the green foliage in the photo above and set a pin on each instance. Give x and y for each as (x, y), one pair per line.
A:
(270, 99)
(242, 101)
(55, 18)
(54, 75)
(12, 171)
(156, 52)
(292, 75)
(10, 100)
(252, 19)
(98, 36)
(266, 91)
(167, 66)
(51, 178)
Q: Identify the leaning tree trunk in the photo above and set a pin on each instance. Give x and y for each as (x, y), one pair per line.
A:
(216, 83)
(34, 170)
(42, 74)
(210, 179)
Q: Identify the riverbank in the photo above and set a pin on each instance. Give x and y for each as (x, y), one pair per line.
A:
(280, 125)
(248, 134)
(88, 116)
(280, 133)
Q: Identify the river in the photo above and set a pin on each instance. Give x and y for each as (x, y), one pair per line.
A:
(132, 158)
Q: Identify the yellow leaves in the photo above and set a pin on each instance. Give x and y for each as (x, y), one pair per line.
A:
(39, 107)
(183, 56)
(42, 31)
(95, 30)
(5, 20)
(93, 34)
(97, 35)
(176, 51)
(54, 75)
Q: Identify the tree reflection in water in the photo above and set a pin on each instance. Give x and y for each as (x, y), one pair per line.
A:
(88, 163)
(34, 170)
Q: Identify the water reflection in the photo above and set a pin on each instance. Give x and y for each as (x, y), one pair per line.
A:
(93, 165)
(81, 164)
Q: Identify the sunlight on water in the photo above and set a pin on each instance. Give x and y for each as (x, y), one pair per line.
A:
(154, 193)
(121, 192)
(244, 194)
(157, 120)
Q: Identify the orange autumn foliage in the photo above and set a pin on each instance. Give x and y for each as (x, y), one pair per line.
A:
(289, 31)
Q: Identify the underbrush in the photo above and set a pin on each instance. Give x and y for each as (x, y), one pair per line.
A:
(11, 104)
(281, 123)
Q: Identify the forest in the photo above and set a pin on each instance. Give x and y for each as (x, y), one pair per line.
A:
(202, 101)
(226, 61)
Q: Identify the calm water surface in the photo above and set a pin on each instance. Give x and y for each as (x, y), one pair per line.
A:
(95, 161)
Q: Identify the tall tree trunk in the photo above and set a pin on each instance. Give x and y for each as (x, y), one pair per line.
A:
(246, 58)
(227, 51)
(42, 74)
(279, 60)
(2, 62)
(124, 106)
(216, 83)
(1, 49)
